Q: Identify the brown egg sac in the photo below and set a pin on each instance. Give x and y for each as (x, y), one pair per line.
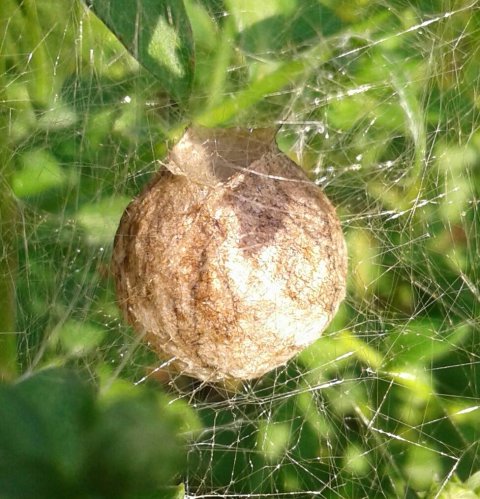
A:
(233, 265)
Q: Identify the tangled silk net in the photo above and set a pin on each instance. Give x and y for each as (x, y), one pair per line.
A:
(384, 116)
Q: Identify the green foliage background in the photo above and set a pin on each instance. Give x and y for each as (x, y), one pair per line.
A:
(379, 101)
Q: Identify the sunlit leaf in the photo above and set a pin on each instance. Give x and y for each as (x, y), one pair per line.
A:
(78, 338)
(422, 341)
(157, 33)
(100, 220)
(39, 173)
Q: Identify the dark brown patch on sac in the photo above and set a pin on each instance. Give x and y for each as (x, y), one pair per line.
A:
(259, 198)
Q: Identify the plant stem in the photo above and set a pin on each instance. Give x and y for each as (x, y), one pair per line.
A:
(8, 243)
(40, 82)
(8, 268)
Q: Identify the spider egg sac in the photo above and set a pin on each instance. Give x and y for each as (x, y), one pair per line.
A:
(233, 263)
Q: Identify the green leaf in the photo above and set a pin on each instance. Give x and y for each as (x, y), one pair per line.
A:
(55, 441)
(473, 482)
(273, 439)
(40, 172)
(80, 338)
(168, 492)
(22, 431)
(100, 220)
(178, 492)
(423, 342)
(25, 471)
(42, 430)
(225, 111)
(272, 27)
(134, 449)
(65, 405)
(28, 479)
(158, 34)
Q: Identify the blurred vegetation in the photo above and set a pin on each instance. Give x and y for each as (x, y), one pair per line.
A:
(379, 102)
(58, 440)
